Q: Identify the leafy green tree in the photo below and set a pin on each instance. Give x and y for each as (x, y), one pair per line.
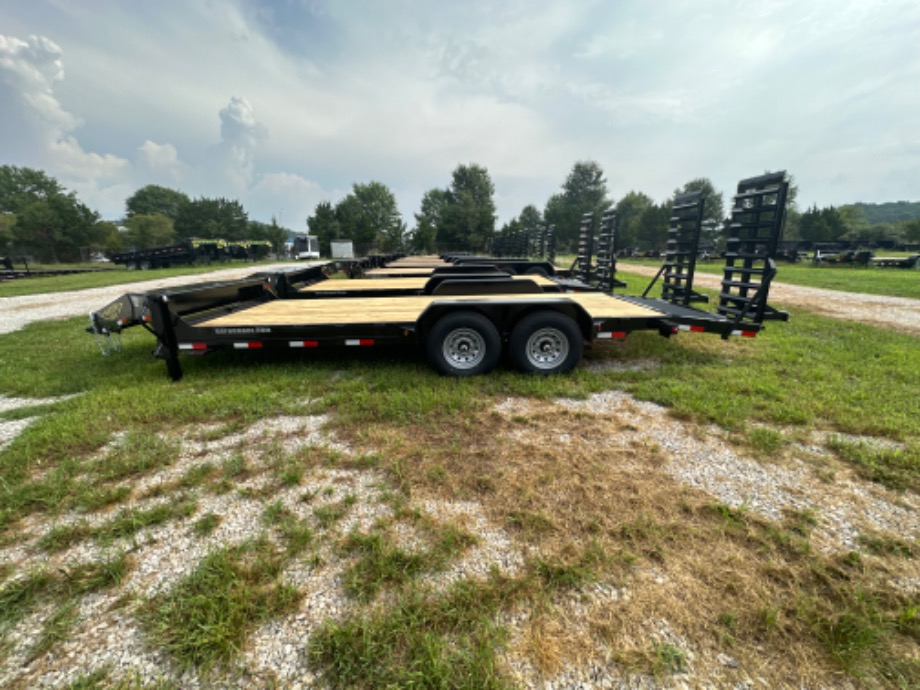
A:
(156, 200)
(212, 219)
(652, 227)
(111, 239)
(380, 214)
(584, 191)
(714, 210)
(7, 222)
(911, 230)
(55, 229)
(270, 232)
(50, 222)
(792, 224)
(325, 225)
(891, 211)
(423, 239)
(369, 217)
(824, 225)
(22, 186)
(468, 218)
(512, 226)
(427, 221)
(856, 225)
(530, 217)
(394, 238)
(629, 212)
(145, 231)
(353, 224)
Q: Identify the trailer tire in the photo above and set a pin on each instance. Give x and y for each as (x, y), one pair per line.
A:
(464, 343)
(546, 342)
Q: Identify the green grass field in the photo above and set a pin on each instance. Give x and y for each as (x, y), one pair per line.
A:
(591, 514)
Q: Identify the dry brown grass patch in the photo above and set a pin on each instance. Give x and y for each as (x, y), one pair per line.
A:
(562, 481)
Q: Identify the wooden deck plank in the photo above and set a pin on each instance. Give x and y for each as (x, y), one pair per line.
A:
(362, 284)
(424, 263)
(349, 310)
(410, 271)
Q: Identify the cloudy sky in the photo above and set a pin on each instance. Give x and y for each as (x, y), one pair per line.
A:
(285, 103)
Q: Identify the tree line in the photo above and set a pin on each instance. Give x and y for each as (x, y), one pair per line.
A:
(461, 216)
(39, 217)
(851, 223)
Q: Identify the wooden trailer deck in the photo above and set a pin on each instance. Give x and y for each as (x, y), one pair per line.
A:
(400, 272)
(424, 261)
(351, 311)
(408, 283)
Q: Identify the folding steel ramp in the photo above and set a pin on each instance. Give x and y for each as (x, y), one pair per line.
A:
(758, 213)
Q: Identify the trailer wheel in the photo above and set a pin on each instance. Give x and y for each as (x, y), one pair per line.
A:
(464, 344)
(546, 342)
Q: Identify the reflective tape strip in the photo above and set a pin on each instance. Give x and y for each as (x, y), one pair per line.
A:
(692, 329)
(613, 334)
(303, 343)
(253, 345)
(192, 346)
(363, 342)
(745, 334)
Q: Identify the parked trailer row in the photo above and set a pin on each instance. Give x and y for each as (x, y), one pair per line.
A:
(542, 329)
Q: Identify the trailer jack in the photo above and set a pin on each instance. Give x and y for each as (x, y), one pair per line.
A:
(108, 342)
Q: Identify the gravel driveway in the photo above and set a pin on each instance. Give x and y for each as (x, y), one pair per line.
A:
(897, 313)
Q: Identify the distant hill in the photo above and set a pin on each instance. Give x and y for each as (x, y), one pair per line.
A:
(890, 212)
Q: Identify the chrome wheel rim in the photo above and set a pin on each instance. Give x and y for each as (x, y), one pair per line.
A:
(547, 348)
(464, 348)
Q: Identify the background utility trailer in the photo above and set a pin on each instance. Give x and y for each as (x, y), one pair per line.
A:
(187, 251)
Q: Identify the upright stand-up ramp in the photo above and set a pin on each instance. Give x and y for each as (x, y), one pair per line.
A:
(606, 252)
(677, 271)
(758, 213)
(583, 270)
